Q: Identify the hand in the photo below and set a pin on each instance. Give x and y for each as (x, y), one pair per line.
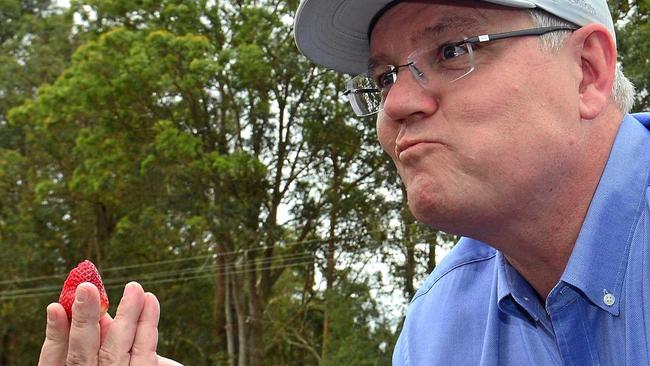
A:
(129, 339)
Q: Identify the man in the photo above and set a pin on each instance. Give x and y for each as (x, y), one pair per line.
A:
(507, 122)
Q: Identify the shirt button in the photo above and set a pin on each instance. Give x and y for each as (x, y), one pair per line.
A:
(609, 299)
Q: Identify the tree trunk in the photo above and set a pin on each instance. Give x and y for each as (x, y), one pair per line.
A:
(220, 306)
(409, 248)
(230, 326)
(409, 267)
(431, 261)
(104, 227)
(255, 329)
(331, 246)
(6, 337)
(240, 312)
(328, 289)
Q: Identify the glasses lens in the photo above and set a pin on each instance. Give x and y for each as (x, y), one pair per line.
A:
(364, 96)
(442, 65)
(431, 67)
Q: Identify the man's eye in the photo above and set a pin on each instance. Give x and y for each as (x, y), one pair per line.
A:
(385, 80)
(451, 51)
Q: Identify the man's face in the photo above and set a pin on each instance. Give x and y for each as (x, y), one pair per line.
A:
(484, 150)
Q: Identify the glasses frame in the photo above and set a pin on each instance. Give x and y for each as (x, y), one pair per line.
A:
(483, 38)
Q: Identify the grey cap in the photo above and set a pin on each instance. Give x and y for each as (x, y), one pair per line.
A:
(334, 33)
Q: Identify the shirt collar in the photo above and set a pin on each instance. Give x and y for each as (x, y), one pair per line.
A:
(515, 296)
(599, 259)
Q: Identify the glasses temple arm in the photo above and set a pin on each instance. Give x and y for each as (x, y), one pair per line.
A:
(519, 33)
(360, 91)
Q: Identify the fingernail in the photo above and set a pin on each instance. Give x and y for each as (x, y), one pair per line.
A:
(128, 285)
(82, 295)
(51, 316)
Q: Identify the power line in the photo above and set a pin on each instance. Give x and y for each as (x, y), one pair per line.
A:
(163, 274)
(156, 277)
(186, 259)
(259, 261)
(49, 291)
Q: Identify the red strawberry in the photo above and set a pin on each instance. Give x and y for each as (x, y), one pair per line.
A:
(84, 272)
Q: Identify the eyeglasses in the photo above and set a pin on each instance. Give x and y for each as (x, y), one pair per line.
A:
(429, 66)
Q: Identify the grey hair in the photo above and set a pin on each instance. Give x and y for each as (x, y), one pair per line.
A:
(623, 91)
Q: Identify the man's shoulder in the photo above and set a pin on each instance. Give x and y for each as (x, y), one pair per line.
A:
(643, 118)
(450, 311)
(468, 258)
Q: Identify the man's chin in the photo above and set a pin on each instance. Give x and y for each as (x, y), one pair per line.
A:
(426, 211)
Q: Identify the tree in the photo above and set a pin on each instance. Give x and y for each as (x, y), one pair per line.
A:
(165, 152)
(633, 37)
(35, 46)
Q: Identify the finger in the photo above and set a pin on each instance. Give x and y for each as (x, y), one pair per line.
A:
(121, 333)
(104, 325)
(56, 337)
(84, 330)
(162, 361)
(146, 336)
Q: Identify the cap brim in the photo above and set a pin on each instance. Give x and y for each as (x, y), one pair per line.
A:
(334, 33)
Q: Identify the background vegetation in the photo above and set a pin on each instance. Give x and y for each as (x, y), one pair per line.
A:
(188, 146)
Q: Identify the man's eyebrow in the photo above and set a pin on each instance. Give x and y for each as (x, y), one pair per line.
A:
(445, 25)
(374, 61)
(459, 24)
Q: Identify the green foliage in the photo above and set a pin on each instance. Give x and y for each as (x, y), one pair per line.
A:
(166, 141)
(633, 37)
(365, 333)
(361, 335)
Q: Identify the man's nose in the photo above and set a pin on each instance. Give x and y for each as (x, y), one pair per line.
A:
(407, 98)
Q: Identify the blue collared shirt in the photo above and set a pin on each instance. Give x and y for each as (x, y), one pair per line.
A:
(476, 309)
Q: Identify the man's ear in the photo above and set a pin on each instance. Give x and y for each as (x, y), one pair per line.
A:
(595, 50)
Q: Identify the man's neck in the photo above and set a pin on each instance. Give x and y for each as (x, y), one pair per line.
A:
(539, 246)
